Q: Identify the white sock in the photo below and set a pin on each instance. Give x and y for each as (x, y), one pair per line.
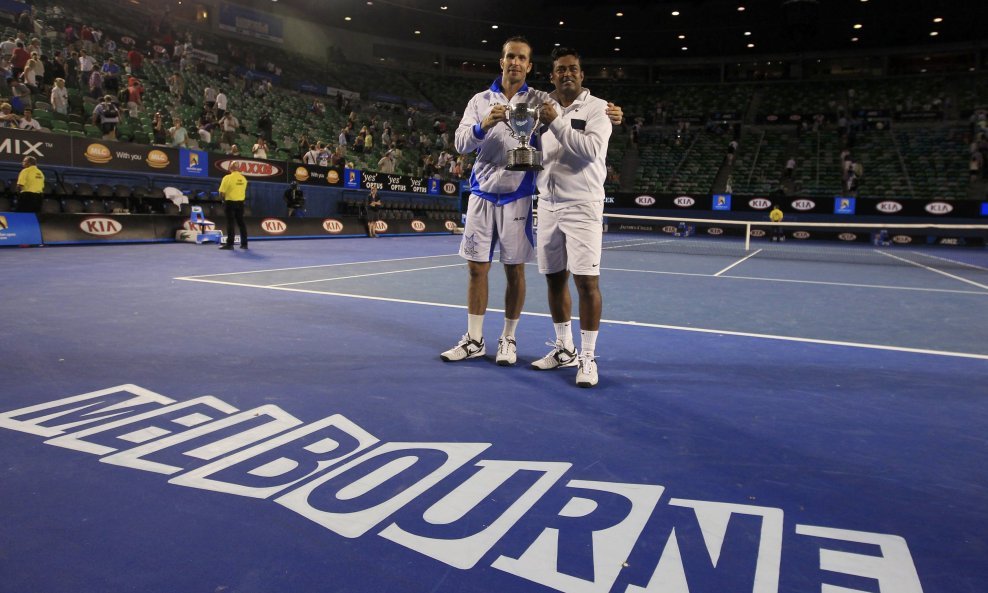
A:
(564, 334)
(475, 327)
(509, 327)
(588, 340)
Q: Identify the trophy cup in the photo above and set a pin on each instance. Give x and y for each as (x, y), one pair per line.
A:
(523, 119)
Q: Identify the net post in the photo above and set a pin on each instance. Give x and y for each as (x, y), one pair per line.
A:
(747, 237)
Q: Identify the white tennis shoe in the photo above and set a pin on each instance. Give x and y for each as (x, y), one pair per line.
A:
(507, 352)
(559, 357)
(586, 375)
(465, 349)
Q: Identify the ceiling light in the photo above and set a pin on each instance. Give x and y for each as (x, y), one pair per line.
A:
(750, 45)
(684, 48)
(747, 33)
(418, 32)
(740, 8)
(938, 20)
(556, 44)
(561, 23)
(617, 49)
(619, 14)
(483, 41)
(675, 13)
(346, 18)
(618, 38)
(443, 7)
(369, 3)
(934, 33)
(858, 25)
(682, 36)
(854, 39)
(493, 26)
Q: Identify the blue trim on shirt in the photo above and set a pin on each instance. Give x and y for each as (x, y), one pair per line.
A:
(478, 132)
(525, 189)
(497, 88)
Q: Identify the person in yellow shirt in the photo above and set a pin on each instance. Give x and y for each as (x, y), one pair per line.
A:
(776, 216)
(233, 192)
(30, 186)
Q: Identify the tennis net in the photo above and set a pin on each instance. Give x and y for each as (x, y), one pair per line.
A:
(947, 245)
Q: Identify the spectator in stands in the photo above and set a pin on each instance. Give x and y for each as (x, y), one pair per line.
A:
(264, 126)
(368, 142)
(111, 75)
(233, 192)
(95, 83)
(135, 96)
(790, 168)
(311, 156)
(387, 163)
(34, 72)
(372, 212)
(178, 134)
(260, 149)
(107, 115)
(338, 158)
(30, 186)
(7, 47)
(229, 125)
(221, 104)
(28, 122)
(86, 66)
(358, 143)
(60, 97)
(20, 95)
(343, 140)
(19, 58)
(8, 119)
(732, 148)
(54, 68)
(136, 61)
(159, 129)
(304, 145)
(295, 200)
(976, 164)
(234, 150)
(209, 96)
(204, 129)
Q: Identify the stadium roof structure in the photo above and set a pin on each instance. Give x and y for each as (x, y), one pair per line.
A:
(652, 29)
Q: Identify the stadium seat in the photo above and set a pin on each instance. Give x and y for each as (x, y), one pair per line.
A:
(5, 204)
(83, 190)
(50, 206)
(72, 206)
(104, 191)
(93, 206)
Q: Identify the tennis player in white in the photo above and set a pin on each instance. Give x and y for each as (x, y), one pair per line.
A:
(499, 210)
(571, 210)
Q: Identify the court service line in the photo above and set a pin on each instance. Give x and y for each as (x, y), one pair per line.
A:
(951, 261)
(618, 322)
(364, 275)
(351, 263)
(791, 281)
(919, 265)
(623, 244)
(740, 261)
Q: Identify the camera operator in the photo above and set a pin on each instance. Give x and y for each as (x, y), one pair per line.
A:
(295, 200)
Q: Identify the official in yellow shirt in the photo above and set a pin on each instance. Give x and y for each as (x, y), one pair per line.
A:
(776, 216)
(30, 186)
(233, 191)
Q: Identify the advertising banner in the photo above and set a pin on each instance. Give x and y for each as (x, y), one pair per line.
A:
(97, 228)
(19, 228)
(251, 23)
(49, 149)
(251, 168)
(122, 156)
(316, 175)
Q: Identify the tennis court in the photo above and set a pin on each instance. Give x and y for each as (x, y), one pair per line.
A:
(762, 423)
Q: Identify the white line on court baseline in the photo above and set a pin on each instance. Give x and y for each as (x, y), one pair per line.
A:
(365, 275)
(952, 261)
(919, 265)
(740, 261)
(609, 245)
(818, 282)
(617, 322)
(352, 263)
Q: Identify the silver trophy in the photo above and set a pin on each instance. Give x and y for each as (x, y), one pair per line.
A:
(523, 119)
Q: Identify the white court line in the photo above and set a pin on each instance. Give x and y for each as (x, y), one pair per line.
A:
(740, 261)
(919, 265)
(791, 281)
(364, 275)
(618, 322)
(952, 261)
(623, 244)
(352, 263)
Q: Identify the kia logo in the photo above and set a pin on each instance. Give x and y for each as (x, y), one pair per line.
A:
(645, 200)
(101, 227)
(804, 205)
(759, 203)
(715, 231)
(847, 237)
(669, 229)
(381, 226)
(449, 188)
(757, 233)
(888, 207)
(418, 226)
(801, 235)
(902, 239)
(684, 201)
(450, 225)
(273, 226)
(939, 208)
(331, 225)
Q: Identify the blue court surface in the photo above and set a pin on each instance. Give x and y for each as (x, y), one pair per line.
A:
(177, 419)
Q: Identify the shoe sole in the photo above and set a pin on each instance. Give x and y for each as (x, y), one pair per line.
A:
(506, 363)
(585, 384)
(474, 355)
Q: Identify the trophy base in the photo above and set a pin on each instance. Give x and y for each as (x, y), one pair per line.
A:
(522, 159)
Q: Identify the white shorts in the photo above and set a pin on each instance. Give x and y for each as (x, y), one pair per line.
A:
(570, 238)
(488, 226)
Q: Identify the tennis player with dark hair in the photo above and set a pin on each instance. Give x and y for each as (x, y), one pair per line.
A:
(499, 210)
(571, 211)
